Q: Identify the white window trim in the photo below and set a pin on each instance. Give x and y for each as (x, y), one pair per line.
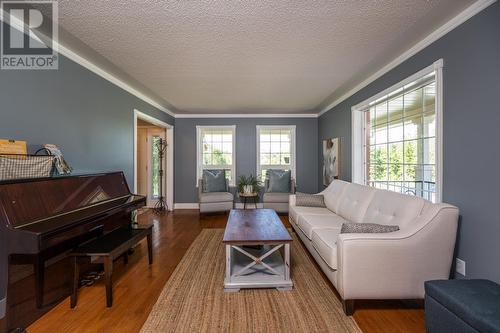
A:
(358, 126)
(199, 150)
(292, 146)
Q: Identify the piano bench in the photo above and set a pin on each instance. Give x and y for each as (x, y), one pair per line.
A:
(105, 249)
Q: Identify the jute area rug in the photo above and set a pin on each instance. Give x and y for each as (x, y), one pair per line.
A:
(193, 299)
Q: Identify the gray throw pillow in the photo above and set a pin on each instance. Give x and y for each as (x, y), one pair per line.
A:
(214, 181)
(309, 200)
(279, 180)
(367, 228)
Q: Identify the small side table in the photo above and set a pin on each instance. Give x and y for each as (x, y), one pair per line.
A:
(247, 196)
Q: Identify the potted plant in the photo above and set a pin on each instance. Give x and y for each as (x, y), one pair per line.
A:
(248, 184)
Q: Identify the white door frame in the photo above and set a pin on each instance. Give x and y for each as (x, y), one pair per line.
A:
(169, 179)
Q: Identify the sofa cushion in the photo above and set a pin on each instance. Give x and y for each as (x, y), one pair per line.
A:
(279, 180)
(367, 228)
(276, 197)
(388, 208)
(476, 302)
(215, 197)
(309, 200)
(354, 202)
(325, 243)
(333, 194)
(214, 180)
(296, 211)
(308, 223)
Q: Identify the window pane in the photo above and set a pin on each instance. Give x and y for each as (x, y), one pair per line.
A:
(413, 103)
(285, 147)
(275, 147)
(395, 109)
(227, 147)
(217, 146)
(413, 127)
(207, 148)
(396, 131)
(412, 152)
(275, 135)
(285, 136)
(429, 151)
(381, 134)
(227, 137)
(265, 159)
(265, 136)
(217, 137)
(207, 159)
(265, 147)
(430, 97)
(429, 124)
(285, 159)
(275, 159)
(381, 113)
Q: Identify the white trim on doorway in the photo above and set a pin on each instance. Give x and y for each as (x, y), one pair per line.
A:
(170, 154)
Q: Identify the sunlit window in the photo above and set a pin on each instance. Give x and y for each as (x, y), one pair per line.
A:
(275, 149)
(400, 140)
(216, 149)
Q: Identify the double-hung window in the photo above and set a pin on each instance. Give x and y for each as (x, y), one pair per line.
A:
(397, 137)
(216, 150)
(275, 149)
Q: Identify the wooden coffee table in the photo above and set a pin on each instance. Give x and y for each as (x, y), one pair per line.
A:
(257, 251)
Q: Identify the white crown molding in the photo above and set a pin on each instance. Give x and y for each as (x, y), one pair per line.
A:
(243, 115)
(193, 205)
(469, 12)
(68, 53)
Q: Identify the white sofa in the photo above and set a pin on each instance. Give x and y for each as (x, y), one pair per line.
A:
(377, 266)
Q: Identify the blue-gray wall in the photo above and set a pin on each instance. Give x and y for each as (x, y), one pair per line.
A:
(88, 117)
(471, 74)
(246, 160)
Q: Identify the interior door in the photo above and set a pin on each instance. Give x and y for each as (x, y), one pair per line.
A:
(154, 135)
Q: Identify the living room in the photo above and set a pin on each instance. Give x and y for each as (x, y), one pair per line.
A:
(262, 166)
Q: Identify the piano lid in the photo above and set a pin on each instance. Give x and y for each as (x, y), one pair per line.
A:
(27, 201)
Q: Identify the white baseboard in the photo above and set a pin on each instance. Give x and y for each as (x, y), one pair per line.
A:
(186, 205)
(194, 205)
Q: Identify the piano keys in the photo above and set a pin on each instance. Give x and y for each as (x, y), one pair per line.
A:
(44, 218)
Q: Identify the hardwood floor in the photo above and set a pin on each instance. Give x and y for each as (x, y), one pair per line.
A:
(138, 285)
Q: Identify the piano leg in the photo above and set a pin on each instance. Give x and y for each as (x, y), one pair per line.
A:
(39, 267)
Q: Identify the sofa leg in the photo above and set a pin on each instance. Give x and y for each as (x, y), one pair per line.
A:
(348, 305)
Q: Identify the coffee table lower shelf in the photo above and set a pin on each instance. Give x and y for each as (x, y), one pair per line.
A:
(262, 266)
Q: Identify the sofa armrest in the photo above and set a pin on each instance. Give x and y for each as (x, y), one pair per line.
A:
(396, 265)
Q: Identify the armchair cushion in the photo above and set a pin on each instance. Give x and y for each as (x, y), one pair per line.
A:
(214, 181)
(276, 197)
(279, 180)
(210, 197)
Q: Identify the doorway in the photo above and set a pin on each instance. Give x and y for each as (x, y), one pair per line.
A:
(148, 132)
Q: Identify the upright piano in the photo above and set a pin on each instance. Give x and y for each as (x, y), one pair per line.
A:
(45, 217)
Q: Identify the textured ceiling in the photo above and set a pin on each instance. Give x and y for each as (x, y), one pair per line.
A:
(252, 56)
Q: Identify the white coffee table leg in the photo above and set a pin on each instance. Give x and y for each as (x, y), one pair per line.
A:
(228, 270)
(286, 268)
